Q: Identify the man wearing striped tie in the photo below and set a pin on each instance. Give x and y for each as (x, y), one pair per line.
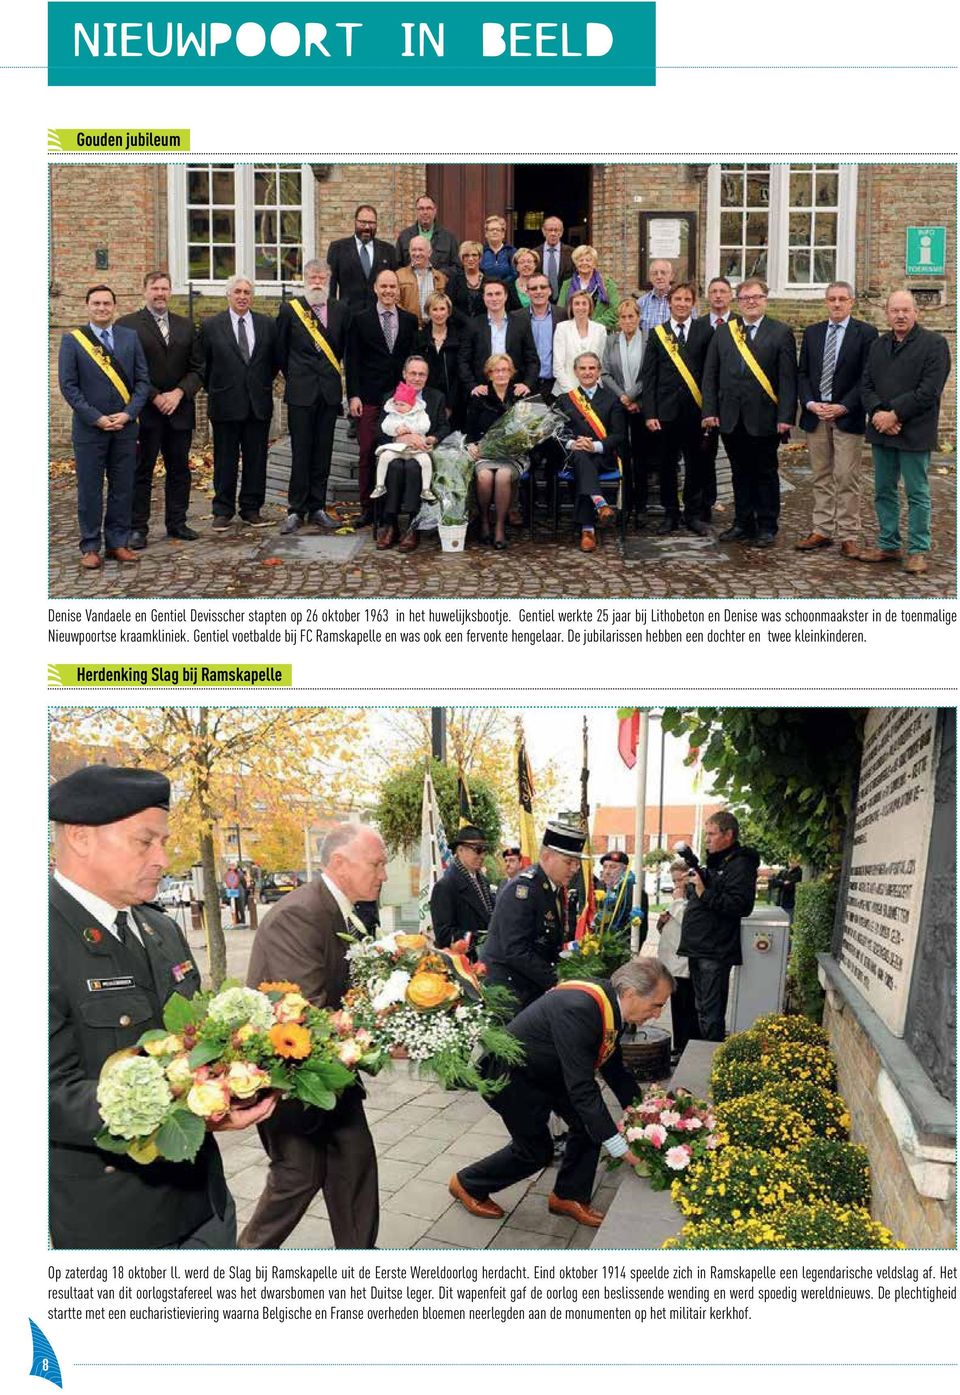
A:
(832, 357)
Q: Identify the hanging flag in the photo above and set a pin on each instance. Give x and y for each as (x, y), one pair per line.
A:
(525, 792)
(463, 800)
(628, 735)
(587, 899)
(434, 851)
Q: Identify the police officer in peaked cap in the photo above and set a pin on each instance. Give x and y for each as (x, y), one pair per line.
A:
(528, 929)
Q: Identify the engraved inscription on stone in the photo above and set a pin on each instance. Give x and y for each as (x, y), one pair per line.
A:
(892, 824)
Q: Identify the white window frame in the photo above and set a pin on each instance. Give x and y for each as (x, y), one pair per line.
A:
(246, 240)
(779, 214)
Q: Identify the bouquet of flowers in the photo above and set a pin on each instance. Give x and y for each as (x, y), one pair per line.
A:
(452, 474)
(429, 1005)
(217, 1052)
(667, 1130)
(522, 426)
(596, 955)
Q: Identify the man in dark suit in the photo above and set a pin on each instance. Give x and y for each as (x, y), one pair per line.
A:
(903, 381)
(596, 436)
(750, 393)
(239, 366)
(311, 339)
(543, 317)
(702, 330)
(404, 482)
(172, 350)
(302, 941)
(672, 401)
(115, 959)
(355, 261)
(569, 1035)
(496, 332)
(556, 256)
(833, 354)
(461, 902)
(378, 342)
(103, 376)
(444, 253)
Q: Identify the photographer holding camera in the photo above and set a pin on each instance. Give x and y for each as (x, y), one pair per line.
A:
(719, 895)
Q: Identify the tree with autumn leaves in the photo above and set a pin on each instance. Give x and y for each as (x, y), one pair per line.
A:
(269, 770)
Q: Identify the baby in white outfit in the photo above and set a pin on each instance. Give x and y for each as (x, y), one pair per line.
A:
(405, 410)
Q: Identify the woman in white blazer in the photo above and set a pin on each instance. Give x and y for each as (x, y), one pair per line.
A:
(577, 335)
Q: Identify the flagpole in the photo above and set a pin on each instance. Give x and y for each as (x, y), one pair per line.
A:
(639, 826)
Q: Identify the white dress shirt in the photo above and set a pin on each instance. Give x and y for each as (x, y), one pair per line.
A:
(248, 326)
(101, 911)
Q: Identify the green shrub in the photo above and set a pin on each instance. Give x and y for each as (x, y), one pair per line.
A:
(835, 1171)
(811, 934)
(779, 1061)
(790, 1027)
(822, 1226)
(824, 1110)
(758, 1121)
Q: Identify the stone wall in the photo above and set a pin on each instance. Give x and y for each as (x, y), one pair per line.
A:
(921, 1222)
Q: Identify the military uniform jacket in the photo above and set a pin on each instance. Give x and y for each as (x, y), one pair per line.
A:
(562, 1033)
(101, 1000)
(526, 935)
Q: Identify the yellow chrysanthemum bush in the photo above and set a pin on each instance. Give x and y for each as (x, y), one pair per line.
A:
(825, 1225)
(735, 1183)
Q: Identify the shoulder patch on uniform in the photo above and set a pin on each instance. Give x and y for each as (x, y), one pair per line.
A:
(522, 892)
(528, 872)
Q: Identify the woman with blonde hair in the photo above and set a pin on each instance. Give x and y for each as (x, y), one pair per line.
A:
(588, 277)
(579, 334)
(495, 478)
(526, 263)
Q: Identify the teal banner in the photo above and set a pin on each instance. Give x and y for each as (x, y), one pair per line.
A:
(328, 45)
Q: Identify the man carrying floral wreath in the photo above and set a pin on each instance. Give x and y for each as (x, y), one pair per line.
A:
(115, 959)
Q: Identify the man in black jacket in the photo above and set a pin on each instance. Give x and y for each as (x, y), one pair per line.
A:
(672, 370)
(902, 385)
(568, 1035)
(172, 350)
(833, 353)
(356, 261)
(239, 366)
(723, 892)
(311, 338)
(115, 959)
(444, 254)
(461, 902)
(596, 435)
(479, 343)
(404, 482)
(750, 393)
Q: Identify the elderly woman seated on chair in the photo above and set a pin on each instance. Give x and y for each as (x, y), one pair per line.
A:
(595, 438)
(495, 479)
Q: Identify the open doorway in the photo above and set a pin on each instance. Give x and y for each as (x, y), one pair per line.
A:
(543, 190)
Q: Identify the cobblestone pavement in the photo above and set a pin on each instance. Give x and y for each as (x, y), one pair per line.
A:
(239, 563)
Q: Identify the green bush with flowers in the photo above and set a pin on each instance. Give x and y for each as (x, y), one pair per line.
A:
(757, 1121)
(741, 1182)
(824, 1225)
(742, 1072)
(789, 1027)
(824, 1110)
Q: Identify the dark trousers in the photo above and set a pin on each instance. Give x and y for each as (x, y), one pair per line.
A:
(156, 437)
(217, 1233)
(403, 491)
(233, 440)
(525, 1107)
(711, 983)
(756, 480)
(586, 483)
(683, 439)
(711, 444)
(635, 458)
(112, 457)
(311, 448)
(338, 1158)
(367, 441)
(683, 1014)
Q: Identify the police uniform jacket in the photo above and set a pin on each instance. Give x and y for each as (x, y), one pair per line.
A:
(89, 391)
(526, 935)
(102, 999)
(460, 906)
(731, 390)
(711, 923)
(562, 1033)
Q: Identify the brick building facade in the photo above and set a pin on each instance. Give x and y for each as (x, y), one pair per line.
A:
(797, 225)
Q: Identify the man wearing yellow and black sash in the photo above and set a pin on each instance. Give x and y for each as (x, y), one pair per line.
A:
(595, 438)
(311, 335)
(569, 1035)
(672, 403)
(103, 375)
(750, 392)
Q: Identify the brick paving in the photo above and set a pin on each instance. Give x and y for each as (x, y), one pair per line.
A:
(236, 564)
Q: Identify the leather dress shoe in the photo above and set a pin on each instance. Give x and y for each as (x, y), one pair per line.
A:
(322, 519)
(667, 525)
(410, 540)
(180, 532)
(735, 534)
(90, 561)
(848, 548)
(137, 540)
(880, 554)
(916, 564)
(696, 525)
(580, 1211)
(763, 540)
(221, 524)
(486, 1208)
(121, 554)
(812, 542)
(386, 537)
(365, 519)
(606, 516)
(290, 524)
(255, 519)
(588, 541)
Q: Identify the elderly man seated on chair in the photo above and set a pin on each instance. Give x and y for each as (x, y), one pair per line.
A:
(596, 435)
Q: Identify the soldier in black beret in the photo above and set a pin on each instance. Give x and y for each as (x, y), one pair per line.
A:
(528, 929)
(461, 902)
(115, 958)
(569, 1035)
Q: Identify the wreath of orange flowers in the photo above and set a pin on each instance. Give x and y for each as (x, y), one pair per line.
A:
(290, 1041)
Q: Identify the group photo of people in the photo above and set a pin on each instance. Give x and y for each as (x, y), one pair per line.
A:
(509, 384)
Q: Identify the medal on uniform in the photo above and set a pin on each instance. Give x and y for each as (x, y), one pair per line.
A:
(92, 934)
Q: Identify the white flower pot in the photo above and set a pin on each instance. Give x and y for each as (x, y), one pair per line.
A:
(453, 537)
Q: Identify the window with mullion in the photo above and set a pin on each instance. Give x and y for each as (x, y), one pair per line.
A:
(813, 213)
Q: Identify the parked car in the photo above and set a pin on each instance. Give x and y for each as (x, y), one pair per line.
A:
(175, 891)
(275, 885)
